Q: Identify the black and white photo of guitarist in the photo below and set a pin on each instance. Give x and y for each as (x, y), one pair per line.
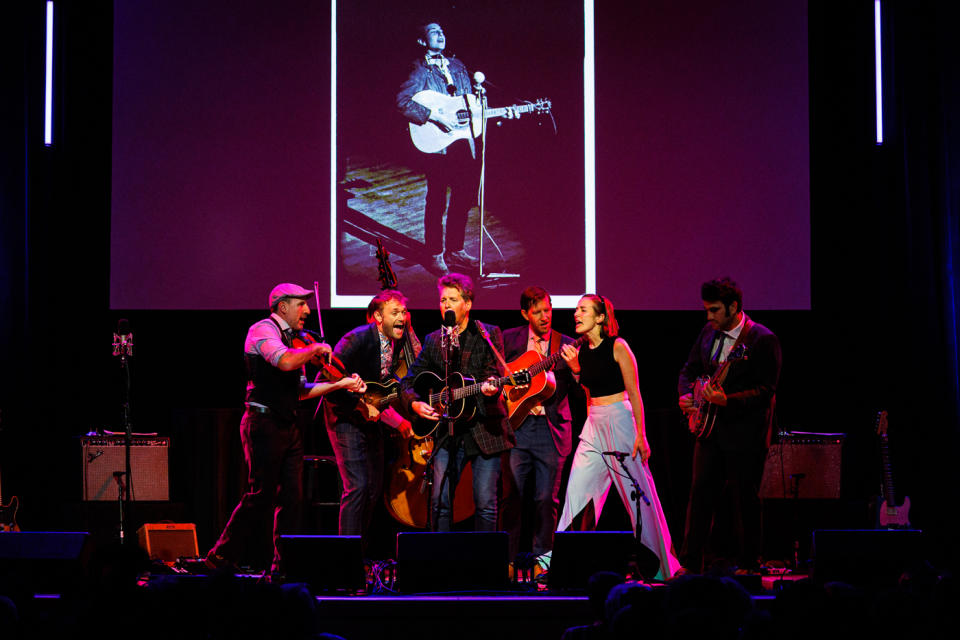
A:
(456, 166)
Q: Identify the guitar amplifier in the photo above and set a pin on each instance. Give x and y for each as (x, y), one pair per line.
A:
(105, 455)
(803, 465)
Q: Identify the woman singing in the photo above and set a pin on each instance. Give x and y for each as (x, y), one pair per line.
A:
(608, 372)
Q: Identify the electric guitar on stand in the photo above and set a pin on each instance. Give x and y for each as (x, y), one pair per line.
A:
(890, 515)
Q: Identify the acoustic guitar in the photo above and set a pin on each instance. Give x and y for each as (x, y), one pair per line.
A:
(889, 514)
(520, 400)
(452, 401)
(430, 138)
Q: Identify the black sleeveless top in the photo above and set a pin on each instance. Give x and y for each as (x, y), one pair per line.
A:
(599, 372)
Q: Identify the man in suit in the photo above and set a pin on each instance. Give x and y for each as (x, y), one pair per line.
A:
(356, 431)
(544, 436)
(479, 439)
(732, 455)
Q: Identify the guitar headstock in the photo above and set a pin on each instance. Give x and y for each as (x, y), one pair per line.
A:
(543, 105)
(882, 423)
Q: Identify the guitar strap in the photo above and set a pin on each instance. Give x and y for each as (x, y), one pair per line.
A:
(486, 336)
(554, 341)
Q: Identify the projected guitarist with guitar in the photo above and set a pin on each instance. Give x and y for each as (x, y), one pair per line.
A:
(444, 118)
(355, 422)
(480, 429)
(728, 393)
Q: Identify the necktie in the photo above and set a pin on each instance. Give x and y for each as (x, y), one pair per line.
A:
(722, 336)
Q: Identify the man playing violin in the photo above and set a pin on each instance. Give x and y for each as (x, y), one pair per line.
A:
(374, 352)
(272, 442)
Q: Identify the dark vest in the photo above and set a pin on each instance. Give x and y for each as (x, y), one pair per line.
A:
(273, 388)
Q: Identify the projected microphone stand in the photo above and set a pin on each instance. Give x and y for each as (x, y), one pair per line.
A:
(481, 94)
(123, 347)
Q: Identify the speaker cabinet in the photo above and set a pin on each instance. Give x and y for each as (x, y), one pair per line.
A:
(577, 555)
(103, 456)
(452, 561)
(43, 562)
(326, 563)
(871, 558)
(807, 465)
(167, 541)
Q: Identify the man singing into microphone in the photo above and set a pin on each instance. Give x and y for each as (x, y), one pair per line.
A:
(456, 166)
(479, 439)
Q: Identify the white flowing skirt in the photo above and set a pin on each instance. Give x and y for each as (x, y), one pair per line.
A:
(611, 428)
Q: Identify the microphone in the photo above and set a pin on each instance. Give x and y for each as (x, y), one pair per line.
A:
(123, 339)
(450, 327)
(478, 78)
(619, 455)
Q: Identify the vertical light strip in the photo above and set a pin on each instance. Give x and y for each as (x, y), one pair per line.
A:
(48, 81)
(333, 153)
(878, 63)
(589, 151)
(569, 301)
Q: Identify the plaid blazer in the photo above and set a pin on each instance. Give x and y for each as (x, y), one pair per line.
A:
(489, 427)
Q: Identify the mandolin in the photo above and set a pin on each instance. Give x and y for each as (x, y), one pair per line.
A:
(704, 415)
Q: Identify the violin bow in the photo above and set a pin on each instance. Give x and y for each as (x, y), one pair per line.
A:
(316, 295)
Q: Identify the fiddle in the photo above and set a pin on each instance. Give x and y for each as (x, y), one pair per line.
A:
(331, 368)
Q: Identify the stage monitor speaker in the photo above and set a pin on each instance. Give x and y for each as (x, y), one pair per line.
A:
(452, 561)
(326, 563)
(43, 562)
(873, 558)
(577, 555)
(808, 465)
(167, 541)
(104, 455)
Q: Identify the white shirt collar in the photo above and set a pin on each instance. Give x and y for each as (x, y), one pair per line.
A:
(735, 332)
(283, 323)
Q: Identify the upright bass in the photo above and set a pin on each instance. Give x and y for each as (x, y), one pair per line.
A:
(404, 479)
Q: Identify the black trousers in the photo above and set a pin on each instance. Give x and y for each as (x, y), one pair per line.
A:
(273, 450)
(720, 473)
(458, 171)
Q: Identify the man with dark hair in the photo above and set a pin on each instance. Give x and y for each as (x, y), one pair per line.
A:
(454, 166)
(544, 438)
(731, 454)
(272, 442)
(374, 351)
(479, 439)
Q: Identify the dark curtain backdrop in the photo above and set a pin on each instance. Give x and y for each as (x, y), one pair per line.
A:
(882, 332)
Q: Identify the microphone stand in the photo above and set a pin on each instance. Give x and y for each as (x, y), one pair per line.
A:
(123, 347)
(637, 494)
(481, 93)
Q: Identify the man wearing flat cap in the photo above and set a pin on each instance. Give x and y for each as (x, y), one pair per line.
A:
(272, 443)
